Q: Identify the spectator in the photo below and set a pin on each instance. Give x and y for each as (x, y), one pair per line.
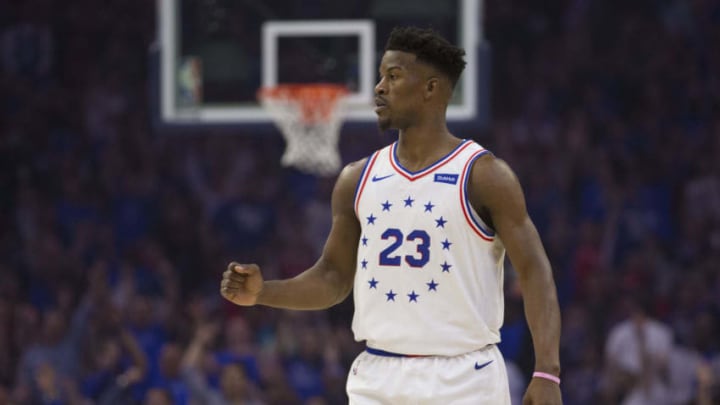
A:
(55, 353)
(158, 396)
(27, 46)
(637, 354)
(614, 131)
(235, 387)
(168, 374)
(116, 363)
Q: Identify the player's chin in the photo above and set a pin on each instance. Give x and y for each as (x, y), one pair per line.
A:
(384, 123)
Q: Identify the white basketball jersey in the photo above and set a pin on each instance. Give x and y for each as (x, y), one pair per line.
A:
(429, 277)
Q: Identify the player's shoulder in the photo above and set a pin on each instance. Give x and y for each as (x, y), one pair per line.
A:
(491, 178)
(358, 165)
(346, 186)
(353, 170)
(489, 167)
(350, 175)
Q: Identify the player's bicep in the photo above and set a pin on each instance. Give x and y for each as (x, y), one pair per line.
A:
(340, 251)
(497, 191)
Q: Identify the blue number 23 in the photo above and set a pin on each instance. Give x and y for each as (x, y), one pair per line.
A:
(423, 248)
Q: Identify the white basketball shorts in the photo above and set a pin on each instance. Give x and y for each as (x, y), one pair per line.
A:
(475, 378)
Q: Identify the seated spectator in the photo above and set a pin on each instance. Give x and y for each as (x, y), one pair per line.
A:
(636, 354)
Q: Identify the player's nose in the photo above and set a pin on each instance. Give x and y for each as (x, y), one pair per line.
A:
(380, 88)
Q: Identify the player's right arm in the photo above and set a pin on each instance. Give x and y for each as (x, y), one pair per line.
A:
(328, 282)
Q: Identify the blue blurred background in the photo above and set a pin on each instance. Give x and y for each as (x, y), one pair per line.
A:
(114, 232)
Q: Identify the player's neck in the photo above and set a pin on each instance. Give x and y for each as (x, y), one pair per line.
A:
(419, 147)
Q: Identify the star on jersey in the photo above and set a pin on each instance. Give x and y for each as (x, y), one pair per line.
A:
(432, 285)
(364, 263)
(390, 295)
(373, 283)
(446, 244)
(364, 240)
(429, 206)
(371, 219)
(386, 205)
(440, 223)
(413, 297)
(409, 201)
(446, 267)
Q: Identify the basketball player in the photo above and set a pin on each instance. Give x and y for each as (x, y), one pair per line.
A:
(419, 233)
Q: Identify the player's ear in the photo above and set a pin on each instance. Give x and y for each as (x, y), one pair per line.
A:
(432, 87)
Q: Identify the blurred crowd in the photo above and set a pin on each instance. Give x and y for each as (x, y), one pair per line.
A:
(114, 231)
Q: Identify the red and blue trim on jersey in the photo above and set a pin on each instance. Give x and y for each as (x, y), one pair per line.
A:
(475, 223)
(412, 176)
(364, 175)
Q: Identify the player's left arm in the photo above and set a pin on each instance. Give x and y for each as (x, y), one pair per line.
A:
(496, 195)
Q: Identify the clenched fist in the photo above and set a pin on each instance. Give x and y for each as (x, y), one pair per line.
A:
(241, 284)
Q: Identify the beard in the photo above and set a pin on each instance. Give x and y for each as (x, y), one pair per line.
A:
(384, 124)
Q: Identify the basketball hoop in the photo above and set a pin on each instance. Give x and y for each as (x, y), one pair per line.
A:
(309, 116)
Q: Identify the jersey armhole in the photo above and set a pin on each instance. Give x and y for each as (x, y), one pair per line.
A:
(363, 180)
(472, 217)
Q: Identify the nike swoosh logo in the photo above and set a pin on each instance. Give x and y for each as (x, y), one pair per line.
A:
(376, 178)
(479, 366)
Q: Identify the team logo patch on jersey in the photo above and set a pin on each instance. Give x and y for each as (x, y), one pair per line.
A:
(446, 178)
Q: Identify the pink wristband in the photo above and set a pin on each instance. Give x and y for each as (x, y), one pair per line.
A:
(547, 376)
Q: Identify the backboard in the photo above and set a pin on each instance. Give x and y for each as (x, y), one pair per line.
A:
(216, 54)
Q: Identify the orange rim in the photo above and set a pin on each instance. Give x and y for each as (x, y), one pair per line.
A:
(316, 101)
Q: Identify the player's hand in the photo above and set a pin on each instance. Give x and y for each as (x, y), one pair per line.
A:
(542, 392)
(241, 284)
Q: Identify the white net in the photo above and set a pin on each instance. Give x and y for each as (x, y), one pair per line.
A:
(309, 116)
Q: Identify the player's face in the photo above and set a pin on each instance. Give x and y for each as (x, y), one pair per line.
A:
(399, 93)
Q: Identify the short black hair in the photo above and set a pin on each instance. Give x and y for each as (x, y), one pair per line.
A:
(430, 48)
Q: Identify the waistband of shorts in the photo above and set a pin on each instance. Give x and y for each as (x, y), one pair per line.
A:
(378, 352)
(383, 353)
